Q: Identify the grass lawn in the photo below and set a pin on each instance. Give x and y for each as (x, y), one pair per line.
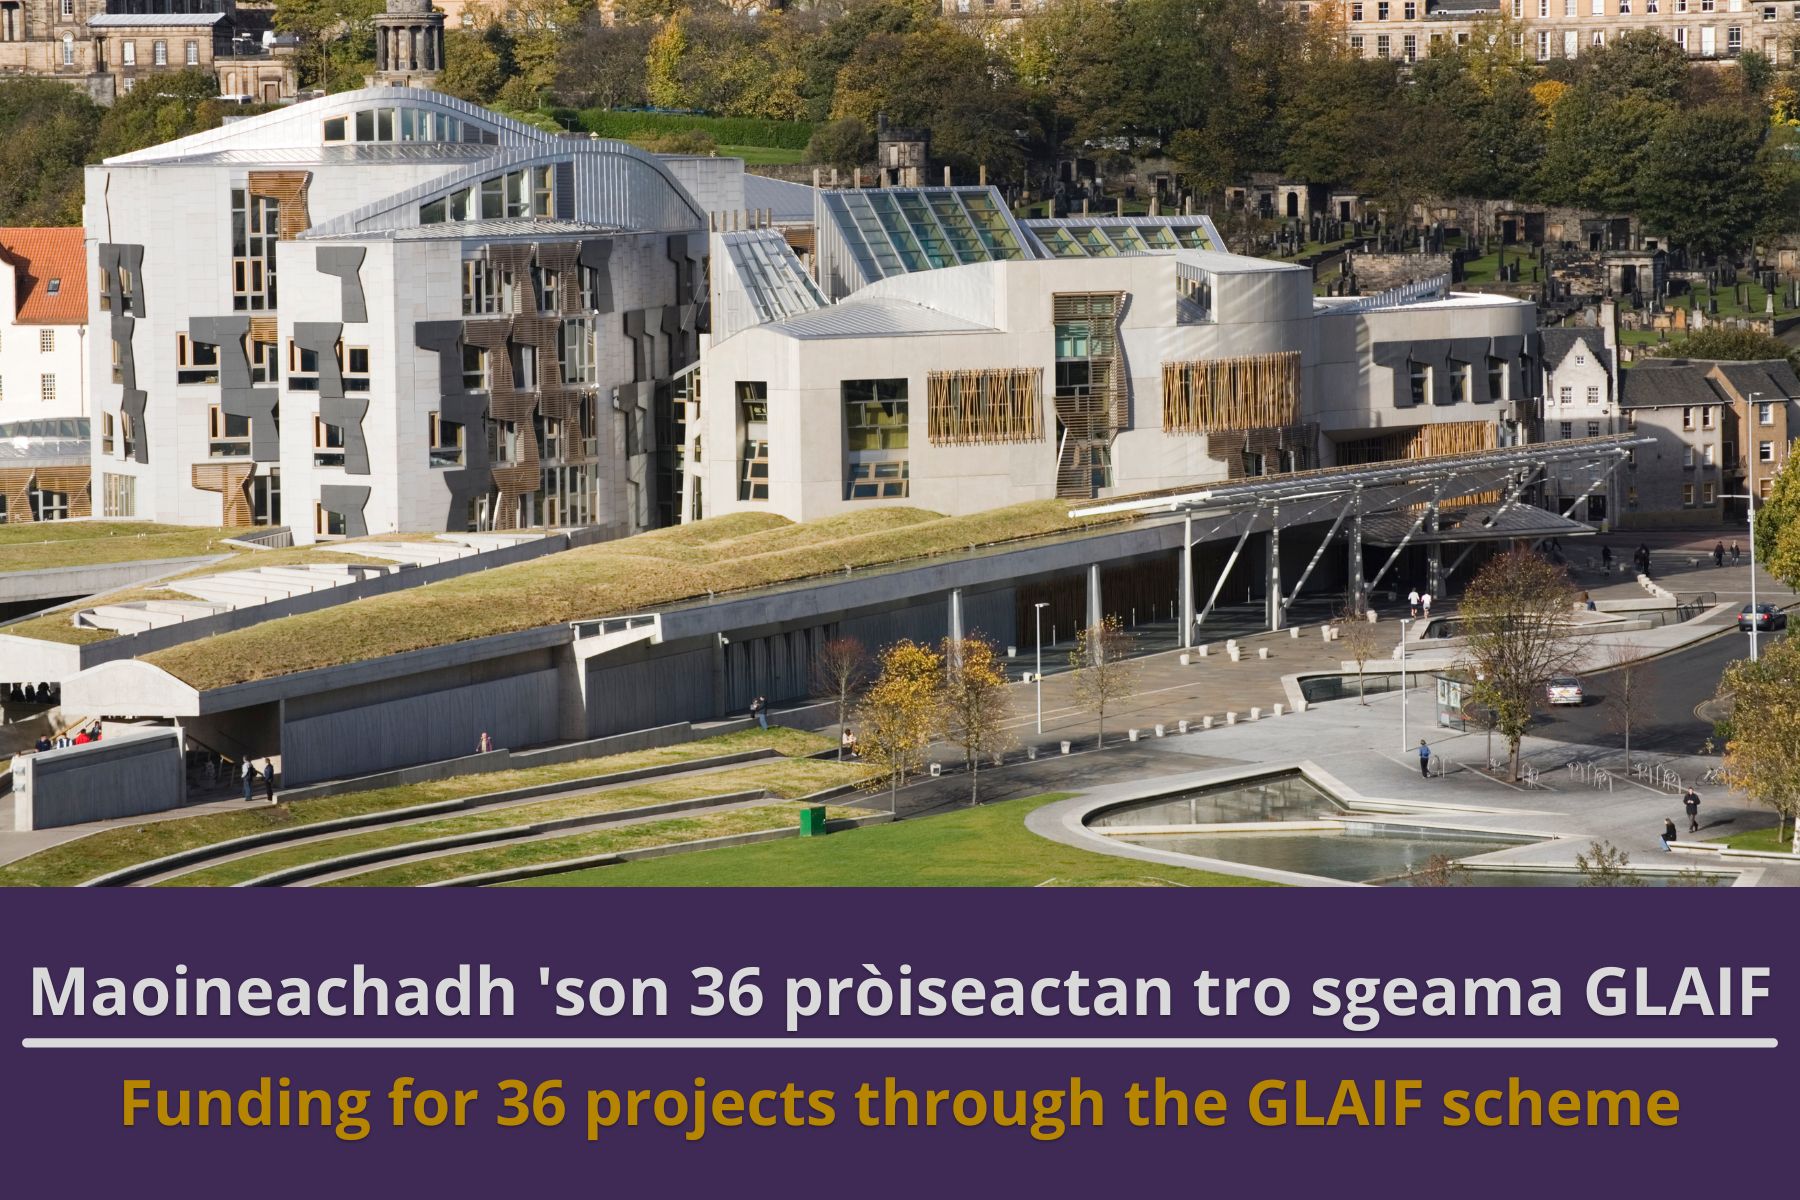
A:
(760, 156)
(41, 545)
(633, 574)
(600, 841)
(113, 849)
(786, 778)
(1758, 839)
(1728, 302)
(979, 847)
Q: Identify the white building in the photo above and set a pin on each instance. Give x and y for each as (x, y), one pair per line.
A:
(972, 360)
(390, 310)
(1580, 400)
(43, 324)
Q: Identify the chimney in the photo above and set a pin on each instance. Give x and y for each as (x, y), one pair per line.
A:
(1084, 206)
(946, 174)
(1120, 207)
(816, 175)
(834, 177)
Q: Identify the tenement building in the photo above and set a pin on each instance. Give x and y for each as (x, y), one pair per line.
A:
(949, 356)
(43, 367)
(390, 310)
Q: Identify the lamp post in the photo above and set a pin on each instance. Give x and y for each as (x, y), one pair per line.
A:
(1405, 743)
(1037, 620)
(1750, 494)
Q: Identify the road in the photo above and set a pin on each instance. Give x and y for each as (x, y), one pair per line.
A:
(1672, 688)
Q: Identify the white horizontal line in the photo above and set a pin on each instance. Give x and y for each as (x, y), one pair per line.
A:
(900, 1043)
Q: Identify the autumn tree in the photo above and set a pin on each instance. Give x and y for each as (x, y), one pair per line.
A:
(839, 671)
(1103, 675)
(1361, 642)
(1762, 754)
(899, 714)
(976, 703)
(1627, 696)
(1516, 616)
(1605, 865)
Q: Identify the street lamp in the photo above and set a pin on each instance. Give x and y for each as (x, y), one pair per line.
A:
(1750, 453)
(1405, 743)
(1037, 620)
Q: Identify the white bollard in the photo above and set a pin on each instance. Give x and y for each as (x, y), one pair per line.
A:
(1031, 753)
(937, 769)
(1262, 652)
(1205, 651)
(1256, 713)
(1373, 617)
(1231, 718)
(1185, 660)
(1012, 652)
(1182, 726)
(1299, 706)
(1236, 655)
(1325, 633)
(1278, 710)
(1131, 735)
(1065, 747)
(1294, 631)
(1159, 731)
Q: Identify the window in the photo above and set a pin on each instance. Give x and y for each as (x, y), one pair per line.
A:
(47, 505)
(1728, 452)
(505, 442)
(106, 436)
(1631, 420)
(46, 340)
(446, 441)
(118, 495)
(1568, 430)
(1459, 381)
(1762, 488)
(486, 289)
(1412, 10)
(1409, 48)
(1687, 418)
(1768, 12)
(1597, 8)
(254, 223)
(876, 437)
(68, 47)
(1706, 455)
(327, 523)
(1518, 8)
(1384, 46)
(47, 388)
(195, 362)
(1543, 46)
(1631, 496)
(226, 436)
(753, 414)
(1687, 495)
(1593, 395)
(1624, 7)
(193, 54)
(1381, 10)
(525, 367)
(1543, 8)
(575, 352)
(1706, 416)
(1599, 37)
(128, 54)
(1419, 377)
(475, 368)
(1765, 414)
(68, 10)
(118, 362)
(546, 289)
(1765, 451)
(1653, 6)
(53, 288)
(265, 361)
(355, 366)
(328, 444)
(159, 54)
(1356, 10)
(1734, 40)
(303, 368)
(1687, 456)
(336, 129)
(1496, 378)
(1593, 429)
(1356, 44)
(1707, 493)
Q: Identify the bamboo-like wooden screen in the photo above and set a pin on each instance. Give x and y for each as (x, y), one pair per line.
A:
(16, 484)
(289, 188)
(1213, 394)
(230, 480)
(995, 404)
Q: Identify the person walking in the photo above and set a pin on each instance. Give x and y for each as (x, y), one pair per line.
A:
(268, 778)
(1425, 604)
(759, 708)
(1606, 559)
(1412, 602)
(1668, 835)
(249, 781)
(1424, 759)
(1736, 551)
(1718, 554)
(1691, 802)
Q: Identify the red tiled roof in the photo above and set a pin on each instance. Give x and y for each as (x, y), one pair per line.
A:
(50, 267)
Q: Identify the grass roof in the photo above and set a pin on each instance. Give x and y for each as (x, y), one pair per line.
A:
(636, 574)
(42, 545)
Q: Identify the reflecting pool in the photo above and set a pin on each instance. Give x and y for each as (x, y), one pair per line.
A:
(1355, 852)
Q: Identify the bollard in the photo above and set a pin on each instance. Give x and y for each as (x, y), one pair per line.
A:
(1031, 753)
(1299, 706)
(1186, 659)
(1294, 631)
(1131, 735)
(1159, 731)
(1373, 618)
(1325, 633)
(1277, 710)
(937, 769)
(1182, 726)
(1256, 713)
(1012, 652)
(1236, 655)
(1065, 747)
(1262, 652)
(1231, 718)
(1206, 722)
(1205, 651)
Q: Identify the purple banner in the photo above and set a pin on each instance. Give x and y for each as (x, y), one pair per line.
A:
(1702, 984)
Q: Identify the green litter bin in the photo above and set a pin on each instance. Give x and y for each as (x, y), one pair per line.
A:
(812, 821)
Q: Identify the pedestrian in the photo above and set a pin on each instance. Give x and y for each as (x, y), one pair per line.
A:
(759, 708)
(1736, 551)
(82, 738)
(1668, 835)
(268, 776)
(1425, 603)
(484, 743)
(1691, 802)
(1606, 558)
(1412, 602)
(43, 744)
(848, 744)
(1718, 554)
(1424, 759)
(249, 781)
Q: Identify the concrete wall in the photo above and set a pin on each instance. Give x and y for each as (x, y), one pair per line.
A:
(125, 775)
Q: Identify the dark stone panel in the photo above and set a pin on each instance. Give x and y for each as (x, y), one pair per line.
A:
(123, 328)
(476, 476)
(597, 256)
(346, 263)
(321, 337)
(348, 501)
(237, 397)
(1436, 354)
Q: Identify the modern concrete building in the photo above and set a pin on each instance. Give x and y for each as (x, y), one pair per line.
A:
(388, 310)
(971, 361)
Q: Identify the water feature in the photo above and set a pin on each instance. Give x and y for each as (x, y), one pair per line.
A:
(1357, 852)
(1273, 798)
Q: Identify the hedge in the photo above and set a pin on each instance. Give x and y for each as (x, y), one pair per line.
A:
(726, 131)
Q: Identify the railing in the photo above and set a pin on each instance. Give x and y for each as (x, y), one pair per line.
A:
(276, 537)
(606, 625)
(1434, 288)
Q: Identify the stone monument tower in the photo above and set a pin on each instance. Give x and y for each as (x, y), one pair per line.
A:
(409, 44)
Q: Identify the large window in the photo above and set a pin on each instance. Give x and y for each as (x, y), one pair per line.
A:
(1419, 377)
(506, 442)
(47, 505)
(118, 495)
(446, 441)
(265, 361)
(195, 362)
(529, 192)
(254, 223)
(487, 289)
(328, 444)
(226, 436)
(475, 376)
(875, 434)
(753, 415)
(575, 351)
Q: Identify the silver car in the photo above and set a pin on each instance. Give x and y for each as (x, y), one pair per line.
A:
(1565, 689)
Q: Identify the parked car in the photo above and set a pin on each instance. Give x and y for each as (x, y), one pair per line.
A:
(1767, 617)
(1565, 689)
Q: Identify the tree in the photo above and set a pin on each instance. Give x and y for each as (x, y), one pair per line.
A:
(1361, 643)
(1778, 527)
(476, 64)
(337, 39)
(601, 65)
(1730, 345)
(1627, 696)
(976, 703)
(166, 106)
(47, 131)
(1102, 672)
(1701, 180)
(839, 671)
(844, 143)
(1440, 870)
(1516, 615)
(1605, 865)
(1762, 755)
(899, 714)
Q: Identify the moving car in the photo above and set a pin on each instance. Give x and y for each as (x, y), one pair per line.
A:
(1767, 617)
(1565, 689)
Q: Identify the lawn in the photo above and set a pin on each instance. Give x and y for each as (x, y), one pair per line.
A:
(979, 847)
(1758, 839)
(763, 156)
(635, 574)
(40, 545)
(785, 778)
(113, 849)
(610, 840)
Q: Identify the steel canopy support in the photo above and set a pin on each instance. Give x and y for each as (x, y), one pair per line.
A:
(1219, 583)
(1359, 593)
(1314, 561)
(1514, 491)
(1187, 580)
(1273, 601)
(1407, 540)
